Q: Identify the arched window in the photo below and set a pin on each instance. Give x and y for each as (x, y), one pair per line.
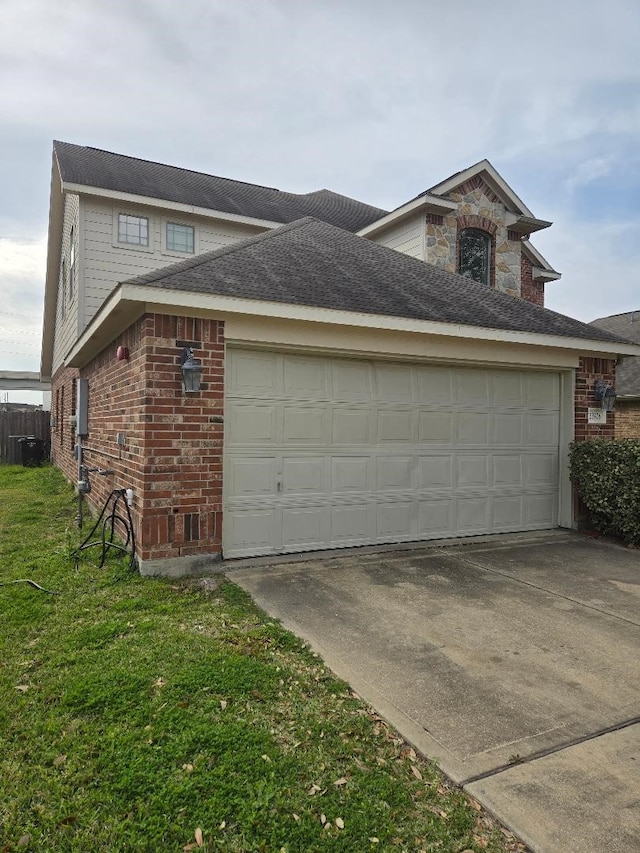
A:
(474, 254)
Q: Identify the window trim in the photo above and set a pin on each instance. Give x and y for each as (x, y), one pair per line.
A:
(173, 220)
(72, 262)
(133, 247)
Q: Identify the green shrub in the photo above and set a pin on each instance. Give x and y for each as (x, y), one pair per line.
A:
(606, 475)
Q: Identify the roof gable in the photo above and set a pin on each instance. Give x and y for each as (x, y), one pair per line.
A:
(492, 180)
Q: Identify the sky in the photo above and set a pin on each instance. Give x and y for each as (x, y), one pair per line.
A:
(371, 99)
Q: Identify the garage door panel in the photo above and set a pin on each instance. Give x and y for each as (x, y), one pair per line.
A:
(395, 426)
(472, 387)
(247, 475)
(351, 474)
(304, 474)
(351, 426)
(395, 521)
(507, 469)
(542, 468)
(254, 374)
(472, 471)
(332, 451)
(305, 527)
(541, 429)
(434, 385)
(541, 390)
(394, 383)
(435, 518)
(252, 531)
(507, 428)
(507, 389)
(473, 428)
(304, 425)
(435, 427)
(352, 525)
(507, 512)
(472, 515)
(539, 510)
(252, 425)
(304, 377)
(435, 472)
(394, 472)
(351, 380)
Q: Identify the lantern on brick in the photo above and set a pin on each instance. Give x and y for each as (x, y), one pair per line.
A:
(604, 394)
(191, 371)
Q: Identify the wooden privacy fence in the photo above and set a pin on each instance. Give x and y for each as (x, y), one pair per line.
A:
(28, 422)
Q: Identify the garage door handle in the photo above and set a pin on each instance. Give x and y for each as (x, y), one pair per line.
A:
(279, 486)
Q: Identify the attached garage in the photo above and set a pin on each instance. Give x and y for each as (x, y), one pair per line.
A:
(325, 451)
(351, 395)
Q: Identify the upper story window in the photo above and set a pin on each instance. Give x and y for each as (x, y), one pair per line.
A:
(474, 255)
(72, 261)
(133, 230)
(180, 238)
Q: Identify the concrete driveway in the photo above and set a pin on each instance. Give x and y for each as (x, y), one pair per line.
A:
(514, 663)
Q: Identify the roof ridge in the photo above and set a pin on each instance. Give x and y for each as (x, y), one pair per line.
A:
(166, 165)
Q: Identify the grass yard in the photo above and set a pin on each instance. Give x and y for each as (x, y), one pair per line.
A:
(151, 715)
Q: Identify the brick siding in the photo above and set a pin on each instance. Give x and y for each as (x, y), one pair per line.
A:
(532, 291)
(627, 419)
(172, 452)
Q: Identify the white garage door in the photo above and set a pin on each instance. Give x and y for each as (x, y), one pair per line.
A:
(328, 452)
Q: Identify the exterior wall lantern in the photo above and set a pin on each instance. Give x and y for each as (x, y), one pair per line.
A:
(191, 371)
(604, 393)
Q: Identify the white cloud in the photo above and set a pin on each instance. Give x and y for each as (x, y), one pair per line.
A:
(370, 99)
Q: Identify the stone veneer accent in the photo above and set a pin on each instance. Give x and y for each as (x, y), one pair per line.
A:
(478, 207)
(172, 456)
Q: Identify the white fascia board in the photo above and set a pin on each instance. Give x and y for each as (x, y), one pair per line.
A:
(148, 201)
(130, 301)
(433, 205)
(545, 275)
(525, 224)
(500, 185)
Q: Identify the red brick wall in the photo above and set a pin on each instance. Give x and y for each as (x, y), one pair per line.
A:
(172, 455)
(589, 370)
(532, 291)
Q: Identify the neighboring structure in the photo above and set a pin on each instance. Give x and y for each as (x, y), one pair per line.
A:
(627, 373)
(352, 393)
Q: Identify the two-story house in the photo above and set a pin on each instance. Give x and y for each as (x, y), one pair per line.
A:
(365, 376)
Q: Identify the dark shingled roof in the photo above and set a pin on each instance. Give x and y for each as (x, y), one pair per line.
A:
(314, 264)
(103, 169)
(628, 371)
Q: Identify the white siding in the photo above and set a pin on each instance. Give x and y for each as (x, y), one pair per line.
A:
(106, 263)
(406, 237)
(67, 307)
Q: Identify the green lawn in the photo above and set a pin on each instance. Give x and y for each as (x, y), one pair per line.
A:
(151, 715)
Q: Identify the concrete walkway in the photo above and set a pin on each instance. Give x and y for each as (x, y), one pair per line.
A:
(514, 663)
